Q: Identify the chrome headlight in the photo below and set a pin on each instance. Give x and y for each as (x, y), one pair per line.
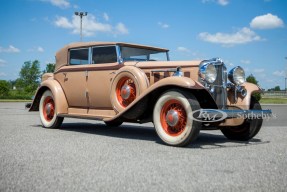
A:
(207, 72)
(236, 75)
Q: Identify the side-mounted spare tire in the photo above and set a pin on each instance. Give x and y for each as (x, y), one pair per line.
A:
(128, 84)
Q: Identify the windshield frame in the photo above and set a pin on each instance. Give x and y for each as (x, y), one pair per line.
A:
(121, 59)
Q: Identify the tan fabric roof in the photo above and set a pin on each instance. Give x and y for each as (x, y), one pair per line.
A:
(62, 54)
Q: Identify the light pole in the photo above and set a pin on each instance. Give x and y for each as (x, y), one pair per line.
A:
(81, 14)
(285, 76)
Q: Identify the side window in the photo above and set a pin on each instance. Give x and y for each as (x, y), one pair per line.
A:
(104, 55)
(79, 56)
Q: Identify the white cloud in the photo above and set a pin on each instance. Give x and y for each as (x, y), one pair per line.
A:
(90, 25)
(40, 49)
(220, 2)
(2, 62)
(2, 74)
(183, 49)
(163, 25)
(260, 70)
(121, 29)
(279, 73)
(106, 16)
(245, 61)
(59, 3)
(223, 2)
(267, 21)
(36, 49)
(10, 49)
(63, 22)
(244, 35)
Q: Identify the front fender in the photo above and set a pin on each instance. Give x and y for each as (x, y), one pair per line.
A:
(183, 82)
(174, 81)
(243, 102)
(58, 93)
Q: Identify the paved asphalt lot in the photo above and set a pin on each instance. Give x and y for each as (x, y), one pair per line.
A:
(86, 155)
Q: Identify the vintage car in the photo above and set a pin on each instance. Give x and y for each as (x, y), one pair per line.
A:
(121, 82)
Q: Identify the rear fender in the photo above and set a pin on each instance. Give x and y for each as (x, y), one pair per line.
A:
(59, 96)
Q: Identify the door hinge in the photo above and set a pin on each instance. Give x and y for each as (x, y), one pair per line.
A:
(86, 93)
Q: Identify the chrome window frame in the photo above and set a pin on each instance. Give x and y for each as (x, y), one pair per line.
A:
(120, 60)
(100, 47)
(89, 56)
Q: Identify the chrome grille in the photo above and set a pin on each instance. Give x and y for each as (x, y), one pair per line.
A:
(218, 88)
(219, 92)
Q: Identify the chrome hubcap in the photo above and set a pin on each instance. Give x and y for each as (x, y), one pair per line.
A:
(48, 108)
(125, 91)
(172, 118)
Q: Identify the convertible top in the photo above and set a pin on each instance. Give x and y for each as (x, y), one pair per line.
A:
(62, 54)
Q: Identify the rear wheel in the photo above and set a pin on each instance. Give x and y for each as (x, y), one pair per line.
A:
(48, 111)
(248, 129)
(172, 117)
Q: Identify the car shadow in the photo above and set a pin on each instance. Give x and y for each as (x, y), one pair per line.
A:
(142, 132)
(213, 141)
(136, 132)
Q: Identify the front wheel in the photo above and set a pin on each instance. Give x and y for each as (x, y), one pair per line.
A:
(48, 111)
(172, 118)
(248, 129)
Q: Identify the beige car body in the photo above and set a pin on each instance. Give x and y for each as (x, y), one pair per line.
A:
(85, 91)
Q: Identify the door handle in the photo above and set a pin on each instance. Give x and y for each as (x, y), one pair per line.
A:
(65, 77)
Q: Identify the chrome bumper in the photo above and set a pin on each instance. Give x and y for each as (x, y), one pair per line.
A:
(218, 115)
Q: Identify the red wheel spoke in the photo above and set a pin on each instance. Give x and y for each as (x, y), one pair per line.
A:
(48, 108)
(173, 125)
(126, 91)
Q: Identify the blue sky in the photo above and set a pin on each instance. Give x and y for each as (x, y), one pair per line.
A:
(251, 33)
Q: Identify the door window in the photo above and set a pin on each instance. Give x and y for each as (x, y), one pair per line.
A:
(79, 56)
(104, 55)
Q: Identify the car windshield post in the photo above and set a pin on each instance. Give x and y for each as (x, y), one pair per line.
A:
(167, 56)
(119, 54)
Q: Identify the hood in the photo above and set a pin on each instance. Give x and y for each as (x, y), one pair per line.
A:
(162, 64)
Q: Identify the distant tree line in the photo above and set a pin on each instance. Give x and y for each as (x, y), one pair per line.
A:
(276, 88)
(25, 86)
(252, 79)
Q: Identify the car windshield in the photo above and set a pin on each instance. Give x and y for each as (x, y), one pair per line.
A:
(139, 54)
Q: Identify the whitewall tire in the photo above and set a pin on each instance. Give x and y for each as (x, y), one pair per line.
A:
(48, 111)
(172, 117)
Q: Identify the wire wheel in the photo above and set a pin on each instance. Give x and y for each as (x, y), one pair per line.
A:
(126, 91)
(173, 117)
(48, 111)
(48, 108)
(170, 117)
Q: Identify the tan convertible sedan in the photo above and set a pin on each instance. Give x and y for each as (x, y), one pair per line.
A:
(120, 82)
